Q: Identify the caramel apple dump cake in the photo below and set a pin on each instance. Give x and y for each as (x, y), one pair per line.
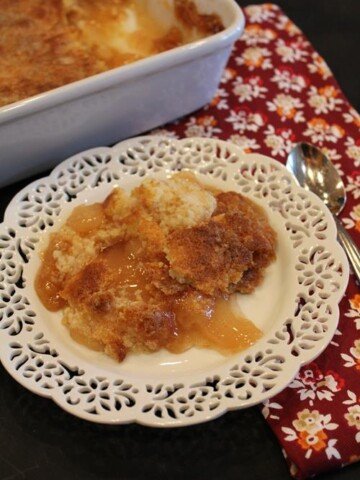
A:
(48, 43)
(157, 268)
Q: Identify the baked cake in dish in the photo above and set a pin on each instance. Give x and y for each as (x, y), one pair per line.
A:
(47, 44)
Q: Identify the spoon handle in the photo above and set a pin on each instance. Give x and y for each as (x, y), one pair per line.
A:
(350, 247)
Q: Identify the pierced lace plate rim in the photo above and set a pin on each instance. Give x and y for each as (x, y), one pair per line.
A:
(213, 398)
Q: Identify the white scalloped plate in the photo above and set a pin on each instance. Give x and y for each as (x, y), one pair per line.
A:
(296, 306)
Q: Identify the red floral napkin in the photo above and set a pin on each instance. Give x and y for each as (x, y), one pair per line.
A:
(276, 91)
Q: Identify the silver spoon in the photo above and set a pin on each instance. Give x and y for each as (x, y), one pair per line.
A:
(315, 172)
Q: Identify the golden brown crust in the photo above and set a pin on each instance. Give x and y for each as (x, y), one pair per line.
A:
(39, 51)
(45, 44)
(172, 39)
(215, 256)
(209, 257)
(81, 287)
(253, 230)
(187, 12)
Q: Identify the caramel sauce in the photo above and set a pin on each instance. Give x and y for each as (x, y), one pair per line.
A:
(212, 323)
(122, 263)
(47, 281)
(86, 218)
(201, 321)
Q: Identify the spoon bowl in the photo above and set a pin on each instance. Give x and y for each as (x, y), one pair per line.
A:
(315, 172)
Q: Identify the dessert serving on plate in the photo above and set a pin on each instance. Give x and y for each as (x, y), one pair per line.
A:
(126, 254)
(156, 268)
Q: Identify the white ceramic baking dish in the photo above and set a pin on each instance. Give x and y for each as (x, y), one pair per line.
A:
(42, 130)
